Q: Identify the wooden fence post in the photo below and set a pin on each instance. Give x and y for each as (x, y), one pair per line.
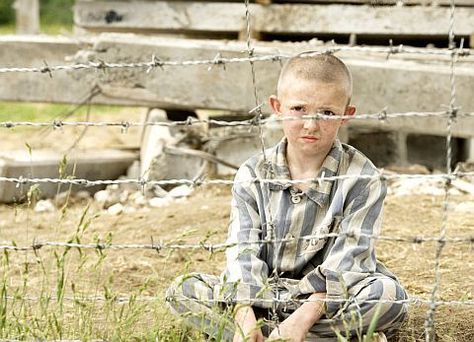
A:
(27, 16)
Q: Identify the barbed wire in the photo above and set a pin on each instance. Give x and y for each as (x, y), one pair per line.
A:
(125, 125)
(142, 182)
(124, 300)
(430, 315)
(214, 247)
(155, 62)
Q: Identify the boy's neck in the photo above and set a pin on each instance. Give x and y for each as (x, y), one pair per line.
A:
(302, 166)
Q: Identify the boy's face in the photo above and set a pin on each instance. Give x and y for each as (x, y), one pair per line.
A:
(298, 97)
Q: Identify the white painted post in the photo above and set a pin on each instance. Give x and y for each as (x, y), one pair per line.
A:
(27, 16)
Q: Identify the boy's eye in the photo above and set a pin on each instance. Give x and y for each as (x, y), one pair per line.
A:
(328, 112)
(297, 108)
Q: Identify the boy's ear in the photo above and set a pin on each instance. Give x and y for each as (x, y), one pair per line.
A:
(274, 104)
(350, 111)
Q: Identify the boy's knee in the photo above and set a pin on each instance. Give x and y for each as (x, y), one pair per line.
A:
(192, 286)
(386, 297)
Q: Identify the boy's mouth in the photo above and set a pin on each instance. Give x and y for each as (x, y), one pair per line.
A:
(309, 138)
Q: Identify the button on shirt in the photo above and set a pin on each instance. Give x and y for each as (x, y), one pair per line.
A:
(298, 254)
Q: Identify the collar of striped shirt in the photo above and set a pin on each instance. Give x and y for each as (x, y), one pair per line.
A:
(319, 190)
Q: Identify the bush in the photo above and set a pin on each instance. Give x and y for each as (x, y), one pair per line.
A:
(7, 15)
(56, 11)
(51, 12)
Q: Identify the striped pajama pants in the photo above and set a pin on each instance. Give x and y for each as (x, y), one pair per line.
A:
(193, 298)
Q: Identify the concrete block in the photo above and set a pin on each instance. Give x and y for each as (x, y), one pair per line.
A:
(186, 16)
(382, 148)
(156, 162)
(91, 165)
(236, 144)
(154, 138)
(430, 150)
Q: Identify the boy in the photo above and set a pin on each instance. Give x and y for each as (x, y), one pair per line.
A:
(303, 252)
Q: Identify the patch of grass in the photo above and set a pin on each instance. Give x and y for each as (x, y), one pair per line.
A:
(16, 111)
(7, 28)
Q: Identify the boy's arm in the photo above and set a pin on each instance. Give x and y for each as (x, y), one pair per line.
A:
(295, 326)
(246, 328)
(246, 273)
(352, 257)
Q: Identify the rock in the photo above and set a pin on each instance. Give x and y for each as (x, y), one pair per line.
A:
(466, 207)
(418, 186)
(157, 202)
(134, 170)
(128, 209)
(61, 198)
(180, 191)
(123, 196)
(464, 186)
(83, 195)
(138, 199)
(44, 206)
(115, 209)
(107, 198)
(101, 196)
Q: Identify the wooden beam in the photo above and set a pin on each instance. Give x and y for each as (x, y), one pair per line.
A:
(396, 84)
(189, 16)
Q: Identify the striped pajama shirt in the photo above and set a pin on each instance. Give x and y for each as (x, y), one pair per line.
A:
(287, 245)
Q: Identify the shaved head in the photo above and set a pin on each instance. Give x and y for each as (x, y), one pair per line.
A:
(321, 68)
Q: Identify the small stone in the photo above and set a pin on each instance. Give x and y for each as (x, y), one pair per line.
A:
(157, 202)
(123, 197)
(115, 209)
(101, 196)
(61, 198)
(44, 206)
(138, 199)
(83, 195)
(107, 198)
(128, 209)
(466, 207)
(180, 191)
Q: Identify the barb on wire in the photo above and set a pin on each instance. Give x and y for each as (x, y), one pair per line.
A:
(157, 62)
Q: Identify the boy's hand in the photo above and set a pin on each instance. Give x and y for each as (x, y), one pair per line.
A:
(289, 330)
(246, 326)
(295, 326)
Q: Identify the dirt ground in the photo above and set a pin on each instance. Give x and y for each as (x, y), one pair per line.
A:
(203, 217)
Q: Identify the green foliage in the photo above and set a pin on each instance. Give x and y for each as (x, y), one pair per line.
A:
(7, 14)
(56, 11)
(51, 12)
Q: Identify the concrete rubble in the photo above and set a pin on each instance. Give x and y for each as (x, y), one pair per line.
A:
(90, 165)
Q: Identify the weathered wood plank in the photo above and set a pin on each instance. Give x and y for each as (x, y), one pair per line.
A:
(397, 85)
(183, 16)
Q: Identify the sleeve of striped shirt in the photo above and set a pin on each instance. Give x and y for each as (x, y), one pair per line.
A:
(246, 273)
(352, 257)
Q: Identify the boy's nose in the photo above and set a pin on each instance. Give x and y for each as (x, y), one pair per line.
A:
(311, 124)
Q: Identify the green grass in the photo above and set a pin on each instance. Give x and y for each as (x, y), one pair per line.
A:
(45, 28)
(15, 111)
(7, 29)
